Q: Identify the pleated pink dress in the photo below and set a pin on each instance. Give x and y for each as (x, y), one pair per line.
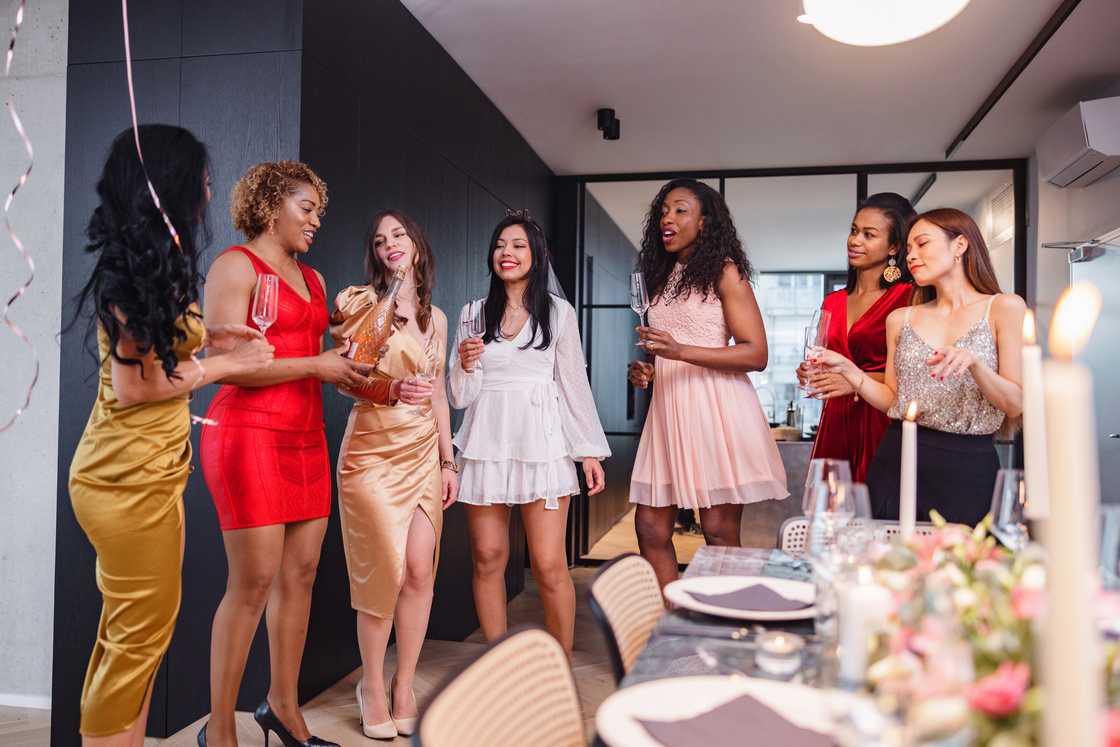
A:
(706, 440)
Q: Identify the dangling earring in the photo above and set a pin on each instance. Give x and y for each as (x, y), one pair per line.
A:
(956, 258)
(891, 273)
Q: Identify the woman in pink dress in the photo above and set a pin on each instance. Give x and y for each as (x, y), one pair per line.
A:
(706, 443)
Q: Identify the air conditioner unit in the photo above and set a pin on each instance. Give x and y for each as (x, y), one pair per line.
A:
(1083, 145)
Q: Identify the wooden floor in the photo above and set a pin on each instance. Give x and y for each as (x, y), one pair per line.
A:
(622, 538)
(334, 714)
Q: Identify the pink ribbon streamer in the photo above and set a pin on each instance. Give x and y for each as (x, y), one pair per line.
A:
(23, 288)
(195, 419)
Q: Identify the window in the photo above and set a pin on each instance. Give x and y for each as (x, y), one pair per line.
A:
(787, 301)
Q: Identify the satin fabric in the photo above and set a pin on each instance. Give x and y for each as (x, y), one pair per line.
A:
(126, 489)
(850, 428)
(388, 465)
(266, 462)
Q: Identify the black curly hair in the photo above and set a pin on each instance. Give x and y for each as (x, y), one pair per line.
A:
(717, 244)
(139, 272)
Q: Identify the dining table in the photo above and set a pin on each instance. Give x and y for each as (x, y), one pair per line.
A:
(685, 643)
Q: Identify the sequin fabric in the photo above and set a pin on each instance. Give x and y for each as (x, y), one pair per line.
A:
(954, 405)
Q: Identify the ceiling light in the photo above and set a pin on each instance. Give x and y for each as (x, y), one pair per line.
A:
(875, 23)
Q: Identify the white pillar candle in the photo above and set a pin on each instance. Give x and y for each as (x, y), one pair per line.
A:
(1034, 426)
(908, 477)
(1072, 677)
(862, 611)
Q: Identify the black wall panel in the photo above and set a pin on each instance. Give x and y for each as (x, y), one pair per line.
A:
(365, 95)
(242, 100)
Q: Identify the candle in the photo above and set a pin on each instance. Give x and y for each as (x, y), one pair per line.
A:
(779, 653)
(908, 479)
(1070, 652)
(863, 610)
(1034, 426)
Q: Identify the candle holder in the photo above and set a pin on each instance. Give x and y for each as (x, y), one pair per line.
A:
(779, 653)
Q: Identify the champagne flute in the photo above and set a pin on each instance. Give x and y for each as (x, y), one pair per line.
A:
(639, 296)
(474, 325)
(816, 339)
(265, 301)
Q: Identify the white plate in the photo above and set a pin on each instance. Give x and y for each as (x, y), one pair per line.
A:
(685, 697)
(677, 593)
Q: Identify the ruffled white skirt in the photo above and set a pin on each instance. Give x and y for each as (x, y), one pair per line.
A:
(511, 483)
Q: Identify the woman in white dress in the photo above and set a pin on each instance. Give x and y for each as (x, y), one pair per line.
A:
(529, 417)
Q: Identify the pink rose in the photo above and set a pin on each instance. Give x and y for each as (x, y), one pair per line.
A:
(1112, 728)
(1028, 604)
(1000, 693)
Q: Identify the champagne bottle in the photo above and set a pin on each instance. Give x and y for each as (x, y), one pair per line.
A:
(372, 336)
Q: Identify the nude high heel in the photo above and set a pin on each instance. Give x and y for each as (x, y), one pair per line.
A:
(384, 730)
(405, 726)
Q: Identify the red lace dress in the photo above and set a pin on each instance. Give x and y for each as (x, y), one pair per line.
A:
(850, 428)
(266, 460)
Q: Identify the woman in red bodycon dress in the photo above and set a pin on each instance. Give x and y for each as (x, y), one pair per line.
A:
(266, 462)
(878, 284)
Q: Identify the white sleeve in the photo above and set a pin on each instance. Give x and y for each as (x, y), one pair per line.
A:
(463, 387)
(583, 433)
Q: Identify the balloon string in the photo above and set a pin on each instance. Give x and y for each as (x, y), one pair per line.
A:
(151, 187)
(23, 288)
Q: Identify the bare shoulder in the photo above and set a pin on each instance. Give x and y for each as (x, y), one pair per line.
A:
(1009, 304)
(730, 278)
(232, 267)
(894, 319)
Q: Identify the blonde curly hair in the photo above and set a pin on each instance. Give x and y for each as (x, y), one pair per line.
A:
(256, 197)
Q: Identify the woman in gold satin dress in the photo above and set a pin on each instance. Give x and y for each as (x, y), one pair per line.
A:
(132, 462)
(396, 473)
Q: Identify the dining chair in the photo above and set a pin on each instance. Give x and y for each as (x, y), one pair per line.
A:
(519, 691)
(626, 601)
(793, 535)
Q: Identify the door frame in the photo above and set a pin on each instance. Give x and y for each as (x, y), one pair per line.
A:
(574, 270)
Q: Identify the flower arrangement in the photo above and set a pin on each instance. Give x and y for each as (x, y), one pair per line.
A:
(957, 656)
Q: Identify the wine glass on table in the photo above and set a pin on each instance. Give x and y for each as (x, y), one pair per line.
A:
(639, 297)
(266, 298)
(1009, 499)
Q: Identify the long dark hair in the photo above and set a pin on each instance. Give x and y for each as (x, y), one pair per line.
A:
(977, 262)
(538, 300)
(424, 269)
(140, 273)
(899, 214)
(717, 244)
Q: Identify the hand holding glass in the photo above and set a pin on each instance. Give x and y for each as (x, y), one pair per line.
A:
(265, 301)
(816, 339)
(474, 325)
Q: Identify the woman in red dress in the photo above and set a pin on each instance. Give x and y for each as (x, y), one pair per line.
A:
(878, 284)
(265, 460)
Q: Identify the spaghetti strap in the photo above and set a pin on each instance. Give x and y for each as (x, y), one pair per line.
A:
(988, 308)
(906, 316)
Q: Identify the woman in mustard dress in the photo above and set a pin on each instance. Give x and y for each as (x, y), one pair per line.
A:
(131, 465)
(396, 473)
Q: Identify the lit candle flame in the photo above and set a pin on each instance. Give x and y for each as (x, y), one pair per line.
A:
(1029, 335)
(912, 411)
(1074, 318)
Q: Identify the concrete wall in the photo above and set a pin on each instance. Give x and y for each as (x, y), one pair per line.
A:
(28, 451)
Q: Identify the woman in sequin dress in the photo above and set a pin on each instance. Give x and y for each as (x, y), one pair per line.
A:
(956, 353)
(706, 444)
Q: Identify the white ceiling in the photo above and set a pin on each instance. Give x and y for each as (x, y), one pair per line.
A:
(740, 84)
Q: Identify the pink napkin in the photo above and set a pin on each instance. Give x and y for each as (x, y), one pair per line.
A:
(742, 722)
(754, 597)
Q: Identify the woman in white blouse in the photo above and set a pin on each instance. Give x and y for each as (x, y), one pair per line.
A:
(530, 416)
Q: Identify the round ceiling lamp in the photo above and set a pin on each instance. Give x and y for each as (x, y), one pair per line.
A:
(876, 23)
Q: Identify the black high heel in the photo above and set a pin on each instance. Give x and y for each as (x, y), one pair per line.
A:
(269, 721)
(202, 735)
